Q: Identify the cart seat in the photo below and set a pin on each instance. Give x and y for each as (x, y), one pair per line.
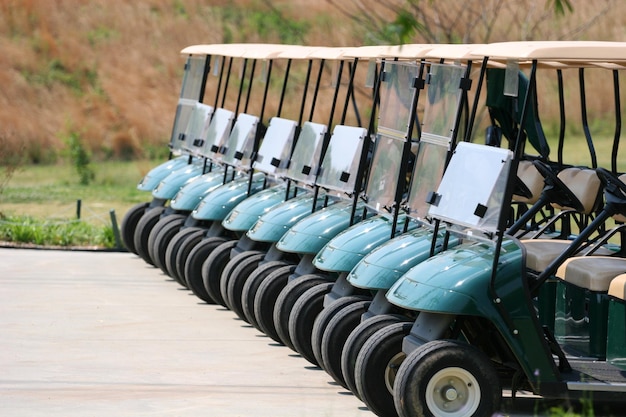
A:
(585, 187)
(617, 288)
(532, 180)
(541, 252)
(594, 273)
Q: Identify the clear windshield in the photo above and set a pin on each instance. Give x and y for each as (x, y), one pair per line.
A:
(444, 95)
(197, 127)
(306, 156)
(341, 161)
(193, 77)
(184, 109)
(240, 145)
(397, 91)
(273, 154)
(471, 193)
(397, 94)
(440, 114)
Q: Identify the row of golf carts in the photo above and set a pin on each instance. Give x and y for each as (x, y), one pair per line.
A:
(407, 226)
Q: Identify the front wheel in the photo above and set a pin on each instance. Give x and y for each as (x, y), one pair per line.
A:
(129, 224)
(193, 266)
(246, 262)
(377, 366)
(447, 378)
(250, 288)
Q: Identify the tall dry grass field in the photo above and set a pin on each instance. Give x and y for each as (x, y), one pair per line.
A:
(110, 70)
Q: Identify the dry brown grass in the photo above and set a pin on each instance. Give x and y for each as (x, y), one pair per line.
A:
(110, 69)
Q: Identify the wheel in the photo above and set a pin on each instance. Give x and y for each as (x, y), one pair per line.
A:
(377, 365)
(227, 267)
(172, 250)
(265, 299)
(447, 378)
(193, 267)
(212, 270)
(249, 290)
(246, 263)
(337, 331)
(302, 317)
(322, 320)
(182, 253)
(142, 232)
(160, 237)
(129, 224)
(355, 342)
(286, 300)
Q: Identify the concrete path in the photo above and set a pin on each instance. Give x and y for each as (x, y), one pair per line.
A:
(103, 334)
(94, 334)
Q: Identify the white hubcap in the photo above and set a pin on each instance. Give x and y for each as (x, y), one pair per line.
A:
(453, 392)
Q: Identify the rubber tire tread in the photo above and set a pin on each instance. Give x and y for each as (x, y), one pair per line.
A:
(286, 301)
(212, 270)
(324, 317)
(172, 250)
(372, 363)
(355, 342)
(142, 232)
(335, 335)
(237, 277)
(129, 224)
(302, 319)
(251, 286)
(160, 236)
(265, 299)
(440, 354)
(193, 267)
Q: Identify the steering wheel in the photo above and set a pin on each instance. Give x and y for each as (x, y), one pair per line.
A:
(556, 189)
(612, 184)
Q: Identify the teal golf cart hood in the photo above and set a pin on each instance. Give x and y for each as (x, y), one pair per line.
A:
(172, 184)
(194, 191)
(219, 202)
(246, 213)
(272, 225)
(346, 249)
(310, 234)
(382, 267)
(158, 173)
(457, 281)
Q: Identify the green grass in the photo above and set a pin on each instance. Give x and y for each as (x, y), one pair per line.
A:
(39, 203)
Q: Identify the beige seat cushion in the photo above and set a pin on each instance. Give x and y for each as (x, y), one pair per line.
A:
(532, 179)
(594, 273)
(618, 287)
(584, 184)
(541, 252)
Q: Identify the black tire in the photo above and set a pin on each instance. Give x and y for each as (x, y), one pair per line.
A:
(193, 267)
(265, 299)
(355, 342)
(227, 269)
(172, 250)
(184, 249)
(444, 377)
(160, 236)
(286, 300)
(322, 320)
(212, 269)
(337, 331)
(376, 368)
(142, 232)
(251, 286)
(302, 318)
(129, 224)
(246, 263)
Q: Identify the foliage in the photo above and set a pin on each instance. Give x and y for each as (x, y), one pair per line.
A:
(80, 158)
(24, 229)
